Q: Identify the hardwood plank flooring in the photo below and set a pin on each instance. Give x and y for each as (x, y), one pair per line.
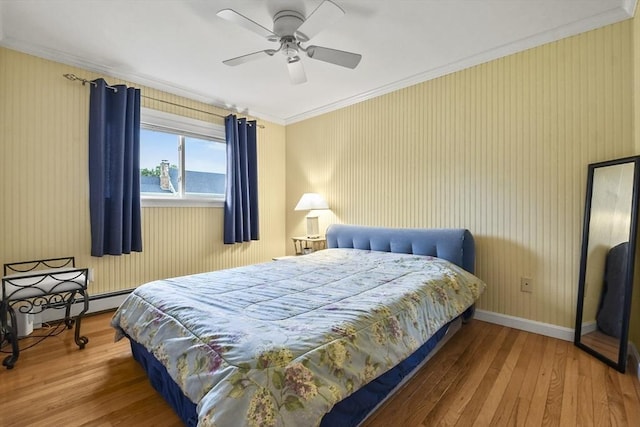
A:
(487, 375)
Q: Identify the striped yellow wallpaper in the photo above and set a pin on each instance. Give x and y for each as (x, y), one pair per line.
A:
(501, 148)
(44, 193)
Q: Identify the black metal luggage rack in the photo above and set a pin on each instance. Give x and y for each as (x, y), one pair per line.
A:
(34, 286)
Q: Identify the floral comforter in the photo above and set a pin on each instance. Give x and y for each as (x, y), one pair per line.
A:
(280, 343)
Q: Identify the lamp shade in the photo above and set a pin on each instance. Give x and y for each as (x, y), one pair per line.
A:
(310, 201)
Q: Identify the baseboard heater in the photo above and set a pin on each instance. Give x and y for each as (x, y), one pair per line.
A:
(97, 304)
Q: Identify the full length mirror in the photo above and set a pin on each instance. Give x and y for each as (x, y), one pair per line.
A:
(606, 265)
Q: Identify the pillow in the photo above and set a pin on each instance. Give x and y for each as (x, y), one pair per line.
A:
(24, 285)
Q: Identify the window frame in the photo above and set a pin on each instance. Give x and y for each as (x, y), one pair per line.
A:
(184, 127)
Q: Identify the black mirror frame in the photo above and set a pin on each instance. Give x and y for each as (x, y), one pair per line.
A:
(621, 363)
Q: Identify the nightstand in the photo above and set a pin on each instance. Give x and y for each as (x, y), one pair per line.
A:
(305, 245)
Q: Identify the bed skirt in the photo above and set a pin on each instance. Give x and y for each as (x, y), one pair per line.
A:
(165, 385)
(347, 413)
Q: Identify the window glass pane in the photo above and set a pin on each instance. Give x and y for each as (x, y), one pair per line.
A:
(205, 166)
(158, 162)
(181, 158)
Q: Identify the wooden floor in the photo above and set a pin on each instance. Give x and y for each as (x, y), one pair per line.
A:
(487, 375)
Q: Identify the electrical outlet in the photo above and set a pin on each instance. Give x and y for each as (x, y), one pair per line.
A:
(526, 284)
(91, 275)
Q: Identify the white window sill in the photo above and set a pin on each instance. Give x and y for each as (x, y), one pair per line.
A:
(166, 202)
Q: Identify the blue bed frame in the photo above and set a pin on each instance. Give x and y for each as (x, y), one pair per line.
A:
(454, 245)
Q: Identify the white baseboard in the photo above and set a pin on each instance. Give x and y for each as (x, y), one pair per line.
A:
(554, 331)
(588, 327)
(96, 305)
(546, 329)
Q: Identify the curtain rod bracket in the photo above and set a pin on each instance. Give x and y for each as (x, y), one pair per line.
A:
(73, 77)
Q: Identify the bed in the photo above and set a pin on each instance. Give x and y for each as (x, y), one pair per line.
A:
(319, 339)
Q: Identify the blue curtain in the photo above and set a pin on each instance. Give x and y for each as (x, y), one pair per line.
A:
(114, 169)
(241, 198)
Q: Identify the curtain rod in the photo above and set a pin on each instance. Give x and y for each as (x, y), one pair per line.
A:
(73, 77)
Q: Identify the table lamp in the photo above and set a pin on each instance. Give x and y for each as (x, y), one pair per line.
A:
(310, 202)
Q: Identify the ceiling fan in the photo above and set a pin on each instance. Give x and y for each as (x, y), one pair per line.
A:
(291, 29)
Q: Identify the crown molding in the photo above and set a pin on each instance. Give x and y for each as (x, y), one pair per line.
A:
(625, 11)
(136, 78)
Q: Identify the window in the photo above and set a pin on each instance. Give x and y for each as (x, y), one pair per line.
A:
(182, 161)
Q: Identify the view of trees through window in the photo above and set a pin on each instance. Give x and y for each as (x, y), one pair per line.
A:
(155, 171)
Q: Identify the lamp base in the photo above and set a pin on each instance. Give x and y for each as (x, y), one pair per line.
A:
(312, 227)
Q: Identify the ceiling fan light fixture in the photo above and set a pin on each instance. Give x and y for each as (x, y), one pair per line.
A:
(290, 48)
(297, 74)
(290, 30)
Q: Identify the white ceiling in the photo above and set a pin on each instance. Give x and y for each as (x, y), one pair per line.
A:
(178, 46)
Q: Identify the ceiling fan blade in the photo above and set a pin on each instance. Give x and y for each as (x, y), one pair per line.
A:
(334, 56)
(296, 70)
(324, 15)
(241, 20)
(249, 57)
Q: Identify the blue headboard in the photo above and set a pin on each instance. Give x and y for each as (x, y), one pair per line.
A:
(453, 244)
